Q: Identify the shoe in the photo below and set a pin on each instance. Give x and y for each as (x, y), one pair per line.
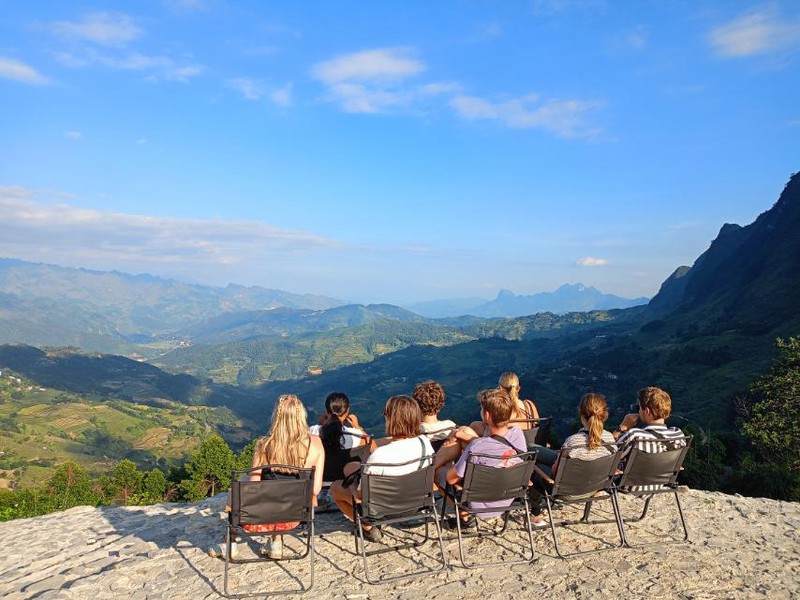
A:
(539, 521)
(373, 535)
(468, 523)
(218, 550)
(272, 548)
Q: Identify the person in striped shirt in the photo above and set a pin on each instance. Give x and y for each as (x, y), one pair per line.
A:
(647, 429)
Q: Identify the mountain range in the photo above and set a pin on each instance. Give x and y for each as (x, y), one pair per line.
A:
(567, 298)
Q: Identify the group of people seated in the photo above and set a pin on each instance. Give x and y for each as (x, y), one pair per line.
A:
(417, 438)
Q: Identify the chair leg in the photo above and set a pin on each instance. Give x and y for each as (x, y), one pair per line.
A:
(683, 519)
(586, 510)
(227, 559)
(553, 526)
(618, 516)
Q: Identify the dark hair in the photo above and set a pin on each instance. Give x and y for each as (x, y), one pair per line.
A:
(403, 417)
(430, 397)
(337, 405)
(498, 404)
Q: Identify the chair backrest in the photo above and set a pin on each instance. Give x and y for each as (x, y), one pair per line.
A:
(387, 496)
(578, 477)
(335, 460)
(285, 498)
(536, 430)
(654, 463)
(483, 483)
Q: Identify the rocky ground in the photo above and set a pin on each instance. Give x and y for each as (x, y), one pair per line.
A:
(739, 548)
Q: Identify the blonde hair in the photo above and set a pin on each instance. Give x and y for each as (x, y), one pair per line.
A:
(287, 441)
(510, 383)
(594, 410)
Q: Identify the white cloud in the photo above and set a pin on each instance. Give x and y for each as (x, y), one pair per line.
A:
(282, 96)
(251, 89)
(375, 81)
(157, 67)
(36, 230)
(19, 71)
(383, 64)
(104, 28)
(590, 261)
(758, 32)
(72, 135)
(565, 118)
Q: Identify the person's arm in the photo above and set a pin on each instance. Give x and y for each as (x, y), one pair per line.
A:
(629, 422)
(352, 420)
(451, 476)
(468, 433)
(254, 475)
(318, 462)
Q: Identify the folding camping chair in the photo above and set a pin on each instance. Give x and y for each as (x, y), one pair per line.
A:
(393, 499)
(483, 484)
(334, 467)
(651, 468)
(579, 481)
(287, 498)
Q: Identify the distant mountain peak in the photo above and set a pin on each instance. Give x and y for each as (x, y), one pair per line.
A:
(505, 295)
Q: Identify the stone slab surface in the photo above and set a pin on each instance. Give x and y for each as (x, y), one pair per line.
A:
(739, 548)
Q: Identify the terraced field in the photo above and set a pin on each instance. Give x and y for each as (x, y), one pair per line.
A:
(42, 428)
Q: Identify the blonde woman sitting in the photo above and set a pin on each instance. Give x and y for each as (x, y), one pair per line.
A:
(288, 443)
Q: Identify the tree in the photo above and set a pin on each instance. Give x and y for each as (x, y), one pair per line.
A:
(71, 486)
(154, 486)
(244, 460)
(772, 421)
(127, 480)
(209, 469)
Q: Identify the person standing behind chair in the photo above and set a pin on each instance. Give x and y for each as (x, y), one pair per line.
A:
(288, 443)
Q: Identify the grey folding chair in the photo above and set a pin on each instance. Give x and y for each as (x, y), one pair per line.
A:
(538, 427)
(281, 500)
(394, 499)
(651, 468)
(334, 466)
(579, 481)
(484, 484)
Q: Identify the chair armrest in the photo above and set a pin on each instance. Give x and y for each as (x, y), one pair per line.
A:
(542, 474)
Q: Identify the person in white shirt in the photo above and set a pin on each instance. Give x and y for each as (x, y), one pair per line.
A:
(430, 397)
(406, 452)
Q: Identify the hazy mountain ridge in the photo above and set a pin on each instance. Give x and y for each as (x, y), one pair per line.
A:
(110, 311)
(568, 298)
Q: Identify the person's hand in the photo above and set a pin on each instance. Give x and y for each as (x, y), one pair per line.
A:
(630, 421)
(353, 420)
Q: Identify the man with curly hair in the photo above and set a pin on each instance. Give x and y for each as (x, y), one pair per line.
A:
(430, 397)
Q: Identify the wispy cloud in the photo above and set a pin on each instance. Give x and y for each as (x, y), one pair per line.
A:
(251, 89)
(35, 230)
(565, 118)
(590, 261)
(19, 71)
(73, 135)
(157, 68)
(104, 28)
(758, 32)
(282, 96)
(377, 80)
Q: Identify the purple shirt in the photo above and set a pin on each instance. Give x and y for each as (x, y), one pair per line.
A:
(500, 456)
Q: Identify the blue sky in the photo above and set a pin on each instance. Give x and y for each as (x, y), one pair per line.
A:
(393, 151)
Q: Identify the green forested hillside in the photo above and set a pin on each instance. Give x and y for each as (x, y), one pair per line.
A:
(42, 427)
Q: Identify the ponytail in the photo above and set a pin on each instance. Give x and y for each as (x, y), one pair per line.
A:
(594, 410)
(337, 405)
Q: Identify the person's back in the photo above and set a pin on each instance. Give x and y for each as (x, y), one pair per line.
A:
(430, 397)
(400, 457)
(650, 433)
(499, 448)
